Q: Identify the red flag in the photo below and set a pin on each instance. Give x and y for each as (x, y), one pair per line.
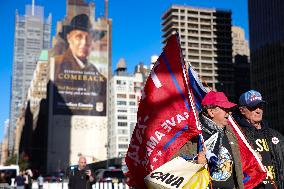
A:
(166, 120)
(253, 169)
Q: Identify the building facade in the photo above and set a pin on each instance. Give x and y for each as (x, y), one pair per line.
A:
(4, 144)
(241, 61)
(266, 27)
(206, 42)
(125, 92)
(76, 108)
(32, 34)
(240, 44)
(31, 127)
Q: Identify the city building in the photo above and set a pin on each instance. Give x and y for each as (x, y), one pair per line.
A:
(240, 44)
(37, 90)
(77, 125)
(241, 61)
(266, 29)
(124, 95)
(31, 125)
(4, 144)
(31, 35)
(206, 42)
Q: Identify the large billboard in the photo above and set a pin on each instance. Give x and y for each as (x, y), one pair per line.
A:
(80, 73)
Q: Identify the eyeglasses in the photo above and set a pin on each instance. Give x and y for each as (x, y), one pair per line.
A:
(260, 106)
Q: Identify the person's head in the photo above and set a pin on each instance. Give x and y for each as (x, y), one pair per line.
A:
(82, 163)
(251, 106)
(77, 35)
(217, 107)
(29, 172)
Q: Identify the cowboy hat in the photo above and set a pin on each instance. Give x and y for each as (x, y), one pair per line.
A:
(79, 22)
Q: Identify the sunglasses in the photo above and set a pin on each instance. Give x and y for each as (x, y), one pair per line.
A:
(260, 106)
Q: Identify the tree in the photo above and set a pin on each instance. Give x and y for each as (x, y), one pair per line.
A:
(23, 162)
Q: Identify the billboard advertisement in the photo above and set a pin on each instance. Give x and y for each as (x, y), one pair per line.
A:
(80, 73)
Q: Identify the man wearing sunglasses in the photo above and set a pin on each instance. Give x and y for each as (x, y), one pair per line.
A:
(266, 141)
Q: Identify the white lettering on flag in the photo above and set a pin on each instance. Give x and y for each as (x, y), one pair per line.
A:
(154, 77)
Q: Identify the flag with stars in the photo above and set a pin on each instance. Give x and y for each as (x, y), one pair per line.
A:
(166, 117)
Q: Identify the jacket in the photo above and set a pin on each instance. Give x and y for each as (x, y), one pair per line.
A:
(277, 150)
(190, 148)
(79, 180)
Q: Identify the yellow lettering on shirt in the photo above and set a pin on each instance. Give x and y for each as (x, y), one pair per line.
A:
(262, 145)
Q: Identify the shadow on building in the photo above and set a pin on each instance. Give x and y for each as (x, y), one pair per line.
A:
(223, 44)
(33, 145)
(242, 75)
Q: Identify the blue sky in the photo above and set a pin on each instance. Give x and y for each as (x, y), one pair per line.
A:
(136, 31)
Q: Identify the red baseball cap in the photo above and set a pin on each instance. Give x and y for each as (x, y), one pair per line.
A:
(217, 99)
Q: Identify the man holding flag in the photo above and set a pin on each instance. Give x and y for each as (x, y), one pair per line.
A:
(252, 168)
(167, 118)
(221, 145)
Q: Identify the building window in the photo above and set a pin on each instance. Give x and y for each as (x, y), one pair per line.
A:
(122, 131)
(132, 103)
(124, 146)
(131, 96)
(120, 82)
(121, 117)
(121, 95)
(121, 102)
(123, 139)
(122, 124)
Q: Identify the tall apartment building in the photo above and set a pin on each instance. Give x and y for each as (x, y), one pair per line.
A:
(240, 44)
(241, 61)
(125, 92)
(206, 42)
(266, 27)
(32, 34)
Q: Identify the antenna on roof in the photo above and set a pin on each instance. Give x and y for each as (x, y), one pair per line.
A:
(106, 9)
(33, 7)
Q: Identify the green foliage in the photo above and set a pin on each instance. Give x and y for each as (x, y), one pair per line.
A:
(23, 163)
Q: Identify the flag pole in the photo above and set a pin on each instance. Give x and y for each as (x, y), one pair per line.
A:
(185, 75)
(201, 145)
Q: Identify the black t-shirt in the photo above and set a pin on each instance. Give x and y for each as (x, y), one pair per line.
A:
(223, 175)
(260, 144)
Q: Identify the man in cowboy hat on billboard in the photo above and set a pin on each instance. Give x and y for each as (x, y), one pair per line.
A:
(78, 82)
(77, 36)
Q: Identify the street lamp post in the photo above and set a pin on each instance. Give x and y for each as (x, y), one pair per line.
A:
(107, 148)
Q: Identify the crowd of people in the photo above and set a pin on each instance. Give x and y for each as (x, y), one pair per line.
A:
(22, 181)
